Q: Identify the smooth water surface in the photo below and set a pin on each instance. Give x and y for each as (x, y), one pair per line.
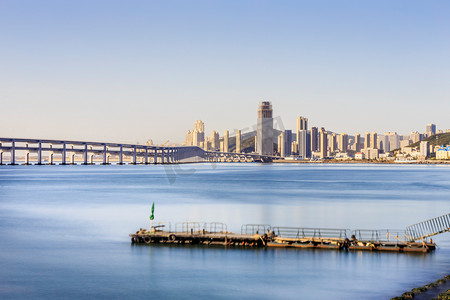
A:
(64, 230)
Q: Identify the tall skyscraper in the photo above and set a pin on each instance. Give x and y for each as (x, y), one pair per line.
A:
(386, 143)
(333, 142)
(238, 141)
(225, 141)
(281, 144)
(343, 142)
(264, 132)
(314, 139)
(431, 129)
(302, 123)
(394, 140)
(374, 140)
(323, 143)
(287, 142)
(304, 144)
(415, 136)
(367, 140)
(424, 148)
(357, 142)
(214, 140)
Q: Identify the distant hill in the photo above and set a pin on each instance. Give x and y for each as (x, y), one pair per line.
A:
(437, 139)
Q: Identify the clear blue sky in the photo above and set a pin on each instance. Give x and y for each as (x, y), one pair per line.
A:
(128, 71)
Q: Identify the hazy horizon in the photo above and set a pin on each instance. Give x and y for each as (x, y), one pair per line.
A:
(137, 70)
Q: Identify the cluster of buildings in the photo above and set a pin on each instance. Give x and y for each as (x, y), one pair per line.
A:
(316, 142)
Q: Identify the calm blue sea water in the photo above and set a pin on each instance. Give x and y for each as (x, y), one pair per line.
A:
(64, 230)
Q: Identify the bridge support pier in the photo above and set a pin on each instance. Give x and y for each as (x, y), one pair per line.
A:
(39, 158)
(155, 156)
(85, 154)
(12, 160)
(134, 155)
(63, 158)
(146, 156)
(121, 155)
(105, 154)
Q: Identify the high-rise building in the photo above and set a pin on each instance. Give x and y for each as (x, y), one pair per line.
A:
(431, 129)
(386, 143)
(302, 123)
(424, 148)
(281, 144)
(357, 142)
(287, 142)
(333, 142)
(294, 148)
(314, 139)
(394, 140)
(264, 132)
(304, 144)
(415, 137)
(343, 142)
(373, 140)
(214, 140)
(238, 141)
(323, 143)
(189, 138)
(367, 140)
(225, 141)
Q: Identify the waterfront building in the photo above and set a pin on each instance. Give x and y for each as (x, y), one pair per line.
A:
(264, 132)
(323, 143)
(225, 141)
(214, 140)
(424, 149)
(367, 140)
(304, 144)
(370, 153)
(238, 141)
(357, 142)
(431, 129)
(443, 153)
(359, 155)
(314, 139)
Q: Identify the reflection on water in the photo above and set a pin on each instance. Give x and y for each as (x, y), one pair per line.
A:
(64, 230)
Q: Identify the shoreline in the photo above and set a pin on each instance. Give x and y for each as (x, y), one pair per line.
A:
(334, 161)
(440, 289)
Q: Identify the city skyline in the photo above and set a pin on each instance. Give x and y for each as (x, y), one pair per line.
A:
(114, 71)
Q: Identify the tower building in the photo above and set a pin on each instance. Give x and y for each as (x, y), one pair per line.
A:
(264, 132)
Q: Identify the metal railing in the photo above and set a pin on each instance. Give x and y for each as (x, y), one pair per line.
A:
(255, 228)
(304, 232)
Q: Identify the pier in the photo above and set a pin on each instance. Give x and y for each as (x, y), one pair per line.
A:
(262, 236)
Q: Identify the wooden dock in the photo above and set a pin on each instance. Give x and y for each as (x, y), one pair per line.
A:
(261, 236)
